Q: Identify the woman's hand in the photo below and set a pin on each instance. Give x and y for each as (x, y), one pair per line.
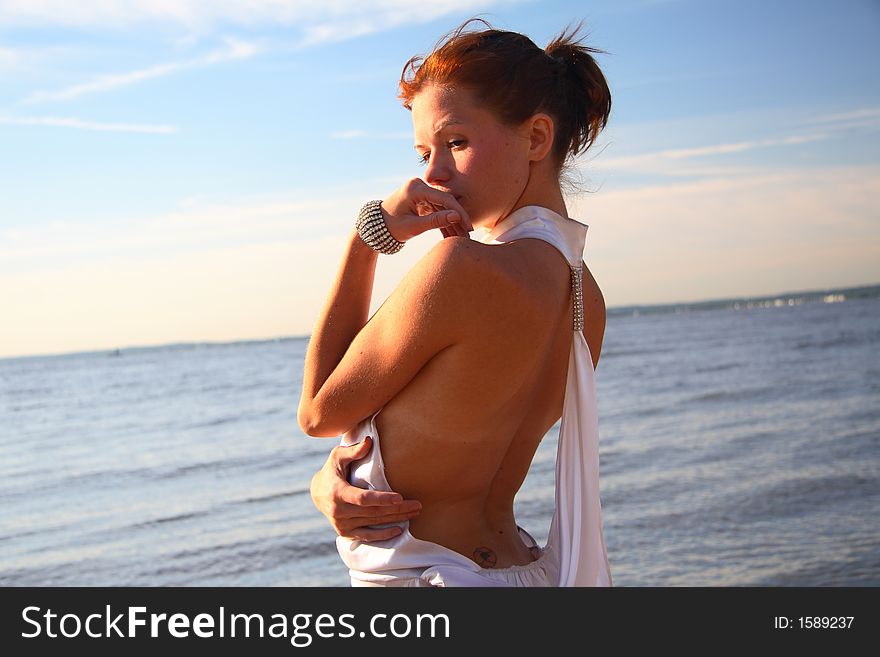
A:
(417, 207)
(350, 509)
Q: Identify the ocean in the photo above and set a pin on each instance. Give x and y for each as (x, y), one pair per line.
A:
(739, 446)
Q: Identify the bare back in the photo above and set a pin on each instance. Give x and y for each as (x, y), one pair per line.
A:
(460, 437)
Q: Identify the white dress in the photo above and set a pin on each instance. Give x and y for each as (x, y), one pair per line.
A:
(575, 553)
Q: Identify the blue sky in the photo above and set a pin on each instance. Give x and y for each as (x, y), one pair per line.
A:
(189, 170)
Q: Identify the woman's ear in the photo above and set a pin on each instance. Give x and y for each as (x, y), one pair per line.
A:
(541, 133)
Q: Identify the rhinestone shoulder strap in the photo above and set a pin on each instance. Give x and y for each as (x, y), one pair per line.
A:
(577, 293)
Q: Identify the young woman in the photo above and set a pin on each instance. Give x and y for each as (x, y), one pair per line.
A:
(451, 385)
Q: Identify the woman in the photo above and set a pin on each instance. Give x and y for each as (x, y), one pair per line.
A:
(485, 343)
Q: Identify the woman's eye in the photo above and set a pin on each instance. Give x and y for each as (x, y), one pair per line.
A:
(423, 159)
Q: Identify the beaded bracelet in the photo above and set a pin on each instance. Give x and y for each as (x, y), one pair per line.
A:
(371, 227)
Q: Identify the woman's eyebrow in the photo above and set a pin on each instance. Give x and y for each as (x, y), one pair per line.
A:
(448, 122)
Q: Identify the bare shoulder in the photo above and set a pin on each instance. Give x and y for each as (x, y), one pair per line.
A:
(438, 273)
(466, 266)
(465, 254)
(483, 285)
(451, 251)
(449, 283)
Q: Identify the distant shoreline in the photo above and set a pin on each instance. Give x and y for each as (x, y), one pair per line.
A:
(828, 295)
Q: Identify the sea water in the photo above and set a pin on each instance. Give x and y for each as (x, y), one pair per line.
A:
(739, 445)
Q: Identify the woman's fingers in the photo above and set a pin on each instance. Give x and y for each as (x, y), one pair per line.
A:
(444, 219)
(342, 455)
(417, 207)
(365, 521)
(350, 510)
(362, 527)
(361, 497)
(367, 535)
(461, 230)
(454, 229)
(447, 221)
(447, 201)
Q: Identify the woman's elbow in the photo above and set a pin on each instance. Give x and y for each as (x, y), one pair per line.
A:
(311, 425)
(307, 421)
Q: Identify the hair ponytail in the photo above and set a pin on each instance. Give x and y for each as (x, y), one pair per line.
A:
(584, 101)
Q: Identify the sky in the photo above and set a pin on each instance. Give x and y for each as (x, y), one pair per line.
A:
(190, 170)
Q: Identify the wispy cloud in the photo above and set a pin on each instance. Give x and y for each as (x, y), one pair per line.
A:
(31, 59)
(770, 230)
(321, 21)
(349, 19)
(102, 83)
(702, 160)
(59, 122)
(865, 117)
(234, 50)
(656, 161)
(197, 225)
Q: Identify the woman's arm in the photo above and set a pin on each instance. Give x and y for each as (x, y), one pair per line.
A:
(344, 314)
(423, 316)
(353, 365)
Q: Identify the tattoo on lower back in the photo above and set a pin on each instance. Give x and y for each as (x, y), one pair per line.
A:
(486, 557)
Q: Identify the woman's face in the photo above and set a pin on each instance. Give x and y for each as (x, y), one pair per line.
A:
(469, 153)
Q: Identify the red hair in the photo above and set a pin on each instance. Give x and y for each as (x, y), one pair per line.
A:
(514, 78)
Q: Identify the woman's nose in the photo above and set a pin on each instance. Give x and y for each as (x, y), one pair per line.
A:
(437, 171)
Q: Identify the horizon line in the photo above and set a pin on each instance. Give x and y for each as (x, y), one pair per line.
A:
(618, 309)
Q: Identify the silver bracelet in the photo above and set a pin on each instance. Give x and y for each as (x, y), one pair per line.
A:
(371, 227)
